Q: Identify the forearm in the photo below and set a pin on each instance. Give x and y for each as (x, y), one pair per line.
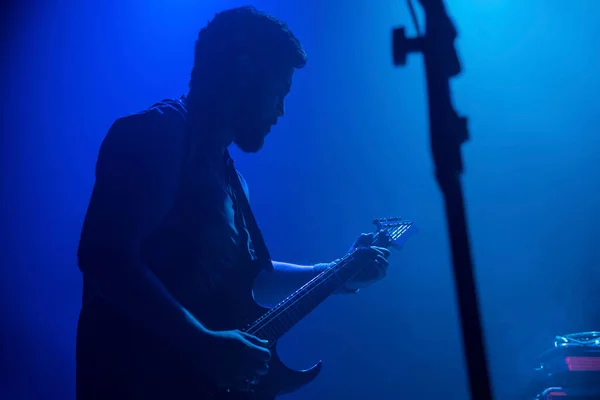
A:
(273, 286)
(135, 291)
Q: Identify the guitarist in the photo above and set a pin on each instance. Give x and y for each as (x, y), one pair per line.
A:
(164, 230)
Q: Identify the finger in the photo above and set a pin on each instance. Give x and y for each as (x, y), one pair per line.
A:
(382, 250)
(241, 384)
(364, 239)
(383, 233)
(257, 347)
(375, 270)
(255, 340)
(260, 369)
(370, 275)
(260, 353)
(379, 270)
(254, 381)
(254, 368)
(372, 251)
(375, 273)
(382, 262)
(367, 254)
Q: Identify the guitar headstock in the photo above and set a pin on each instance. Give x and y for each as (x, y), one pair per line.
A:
(393, 232)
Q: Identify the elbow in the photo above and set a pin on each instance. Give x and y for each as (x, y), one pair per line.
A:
(93, 263)
(93, 272)
(107, 271)
(86, 256)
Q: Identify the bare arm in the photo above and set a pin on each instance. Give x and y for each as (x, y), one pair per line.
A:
(271, 287)
(137, 175)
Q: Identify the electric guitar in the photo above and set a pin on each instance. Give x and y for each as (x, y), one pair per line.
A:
(271, 324)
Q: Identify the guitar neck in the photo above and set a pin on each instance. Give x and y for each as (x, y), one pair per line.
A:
(281, 318)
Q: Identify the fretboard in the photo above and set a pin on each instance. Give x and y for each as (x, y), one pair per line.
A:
(281, 318)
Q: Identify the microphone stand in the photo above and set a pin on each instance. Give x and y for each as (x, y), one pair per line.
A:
(448, 132)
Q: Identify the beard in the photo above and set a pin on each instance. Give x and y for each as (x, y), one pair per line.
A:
(249, 125)
(249, 140)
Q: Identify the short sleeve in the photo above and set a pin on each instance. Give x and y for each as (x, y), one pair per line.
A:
(138, 171)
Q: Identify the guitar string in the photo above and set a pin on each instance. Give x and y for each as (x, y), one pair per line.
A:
(302, 292)
(324, 277)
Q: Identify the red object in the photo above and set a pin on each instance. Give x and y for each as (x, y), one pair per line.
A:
(582, 363)
(563, 393)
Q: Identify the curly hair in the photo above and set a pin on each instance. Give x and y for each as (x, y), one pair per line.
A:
(243, 31)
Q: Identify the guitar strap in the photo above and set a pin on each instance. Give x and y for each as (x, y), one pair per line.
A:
(256, 237)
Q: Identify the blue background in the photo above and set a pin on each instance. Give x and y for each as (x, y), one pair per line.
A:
(352, 146)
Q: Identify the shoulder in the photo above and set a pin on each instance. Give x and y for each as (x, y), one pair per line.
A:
(161, 126)
(154, 134)
(161, 121)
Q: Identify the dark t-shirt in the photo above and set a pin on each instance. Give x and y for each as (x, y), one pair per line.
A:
(204, 231)
(197, 247)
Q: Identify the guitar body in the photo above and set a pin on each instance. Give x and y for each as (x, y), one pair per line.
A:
(229, 308)
(238, 310)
